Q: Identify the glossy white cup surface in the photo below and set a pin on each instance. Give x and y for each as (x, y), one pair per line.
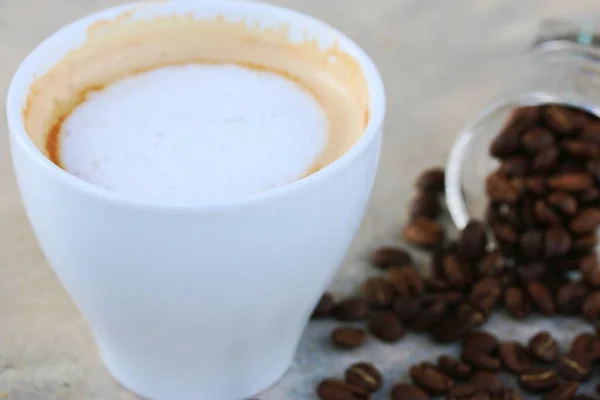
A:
(205, 301)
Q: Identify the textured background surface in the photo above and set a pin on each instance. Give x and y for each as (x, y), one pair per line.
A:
(441, 61)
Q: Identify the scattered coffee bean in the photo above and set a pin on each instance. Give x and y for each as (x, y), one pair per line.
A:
(472, 242)
(586, 345)
(541, 297)
(454, 368)
(479, 359)
(462, 391)
(491, 266)
(431, 313)
(539, 381)
(348, 337)
(429, 378)
(386, 326)
(423, 232)
(425, 204)
(570, 297)
(365, 376)
(405, 279)
(574, 367)
(514, 357)
(432, 180)
(408, 392)
(516, 302)
(353, 309)
(563, 202)
(545, 215)
(591, 307)
(487, 381)
(586, 221)
(483, 341)
(378, 292)
(405, 306)
(473, 316)
(486, 293)
(543, 347)
(337, 389)
(564, 391)
(500, 189)
(384, 257)
(324, 307)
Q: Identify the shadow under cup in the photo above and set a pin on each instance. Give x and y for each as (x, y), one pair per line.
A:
(203, 301)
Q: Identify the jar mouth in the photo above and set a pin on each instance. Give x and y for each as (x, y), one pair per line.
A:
(469, 162)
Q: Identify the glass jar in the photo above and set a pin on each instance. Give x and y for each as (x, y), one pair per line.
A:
(561, 66)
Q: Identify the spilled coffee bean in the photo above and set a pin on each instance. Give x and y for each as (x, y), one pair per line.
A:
(348, 338)
(337, 389)
(365, 376)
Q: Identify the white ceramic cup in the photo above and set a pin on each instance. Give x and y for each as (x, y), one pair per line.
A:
(205, 301)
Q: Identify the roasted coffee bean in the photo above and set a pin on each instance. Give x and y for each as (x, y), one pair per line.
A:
(452, 328)
(337, 389)
(564, 391)
(570, 297)
(324, 307)
(541, 298)
(504, 145)
(587, 345)
(483, 341)
(531, 244)
(591, 307)
(591, 131)
(423, 232)
(574, 367)
(505, 394)
(584, 243)
(499, 189)
(378, 292)
(557, 242)
(432, 180)
(487, 381)
(590, 196)
(545, 160)
(504, 233)
(454, 271)
(480, 359)
(425, 204)
(404, 391)
(516, 302)
(429, 378)
(586, 221)
(539, 381)
(405, 279)
(514, 357)
(486, 293)
(532, 272)
(536, 185)
(570, 182)
(450, 297)
(581, 149)
(472, 242)
(561, 119)
(491, 265)
(353, 309)
(435, 284)
(454, 368)
(545, 215)
(537, 139)
(474, 316)
(365, 376)
(405, 306)
(593, 167)
(348, 337)
(431, 313)
(543, 347)
(462, 391)
(385, 257)
(590, 271)
(517, 166)
(563, 202)
(386, 326)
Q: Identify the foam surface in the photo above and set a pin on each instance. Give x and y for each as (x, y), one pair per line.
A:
(196, 132)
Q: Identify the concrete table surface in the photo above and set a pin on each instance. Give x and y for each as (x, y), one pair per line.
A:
(441, 61)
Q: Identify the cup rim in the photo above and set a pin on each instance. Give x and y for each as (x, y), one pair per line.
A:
(377, 100)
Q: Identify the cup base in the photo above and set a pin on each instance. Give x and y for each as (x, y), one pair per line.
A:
(132, 378)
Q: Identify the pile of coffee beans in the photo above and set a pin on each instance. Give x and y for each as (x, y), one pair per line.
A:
(544, 209)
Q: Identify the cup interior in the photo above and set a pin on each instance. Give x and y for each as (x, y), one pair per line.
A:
(297, 28)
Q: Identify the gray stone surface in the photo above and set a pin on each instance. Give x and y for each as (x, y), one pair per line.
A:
(441, 61)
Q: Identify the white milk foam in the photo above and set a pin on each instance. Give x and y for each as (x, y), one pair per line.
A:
(194, 133)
